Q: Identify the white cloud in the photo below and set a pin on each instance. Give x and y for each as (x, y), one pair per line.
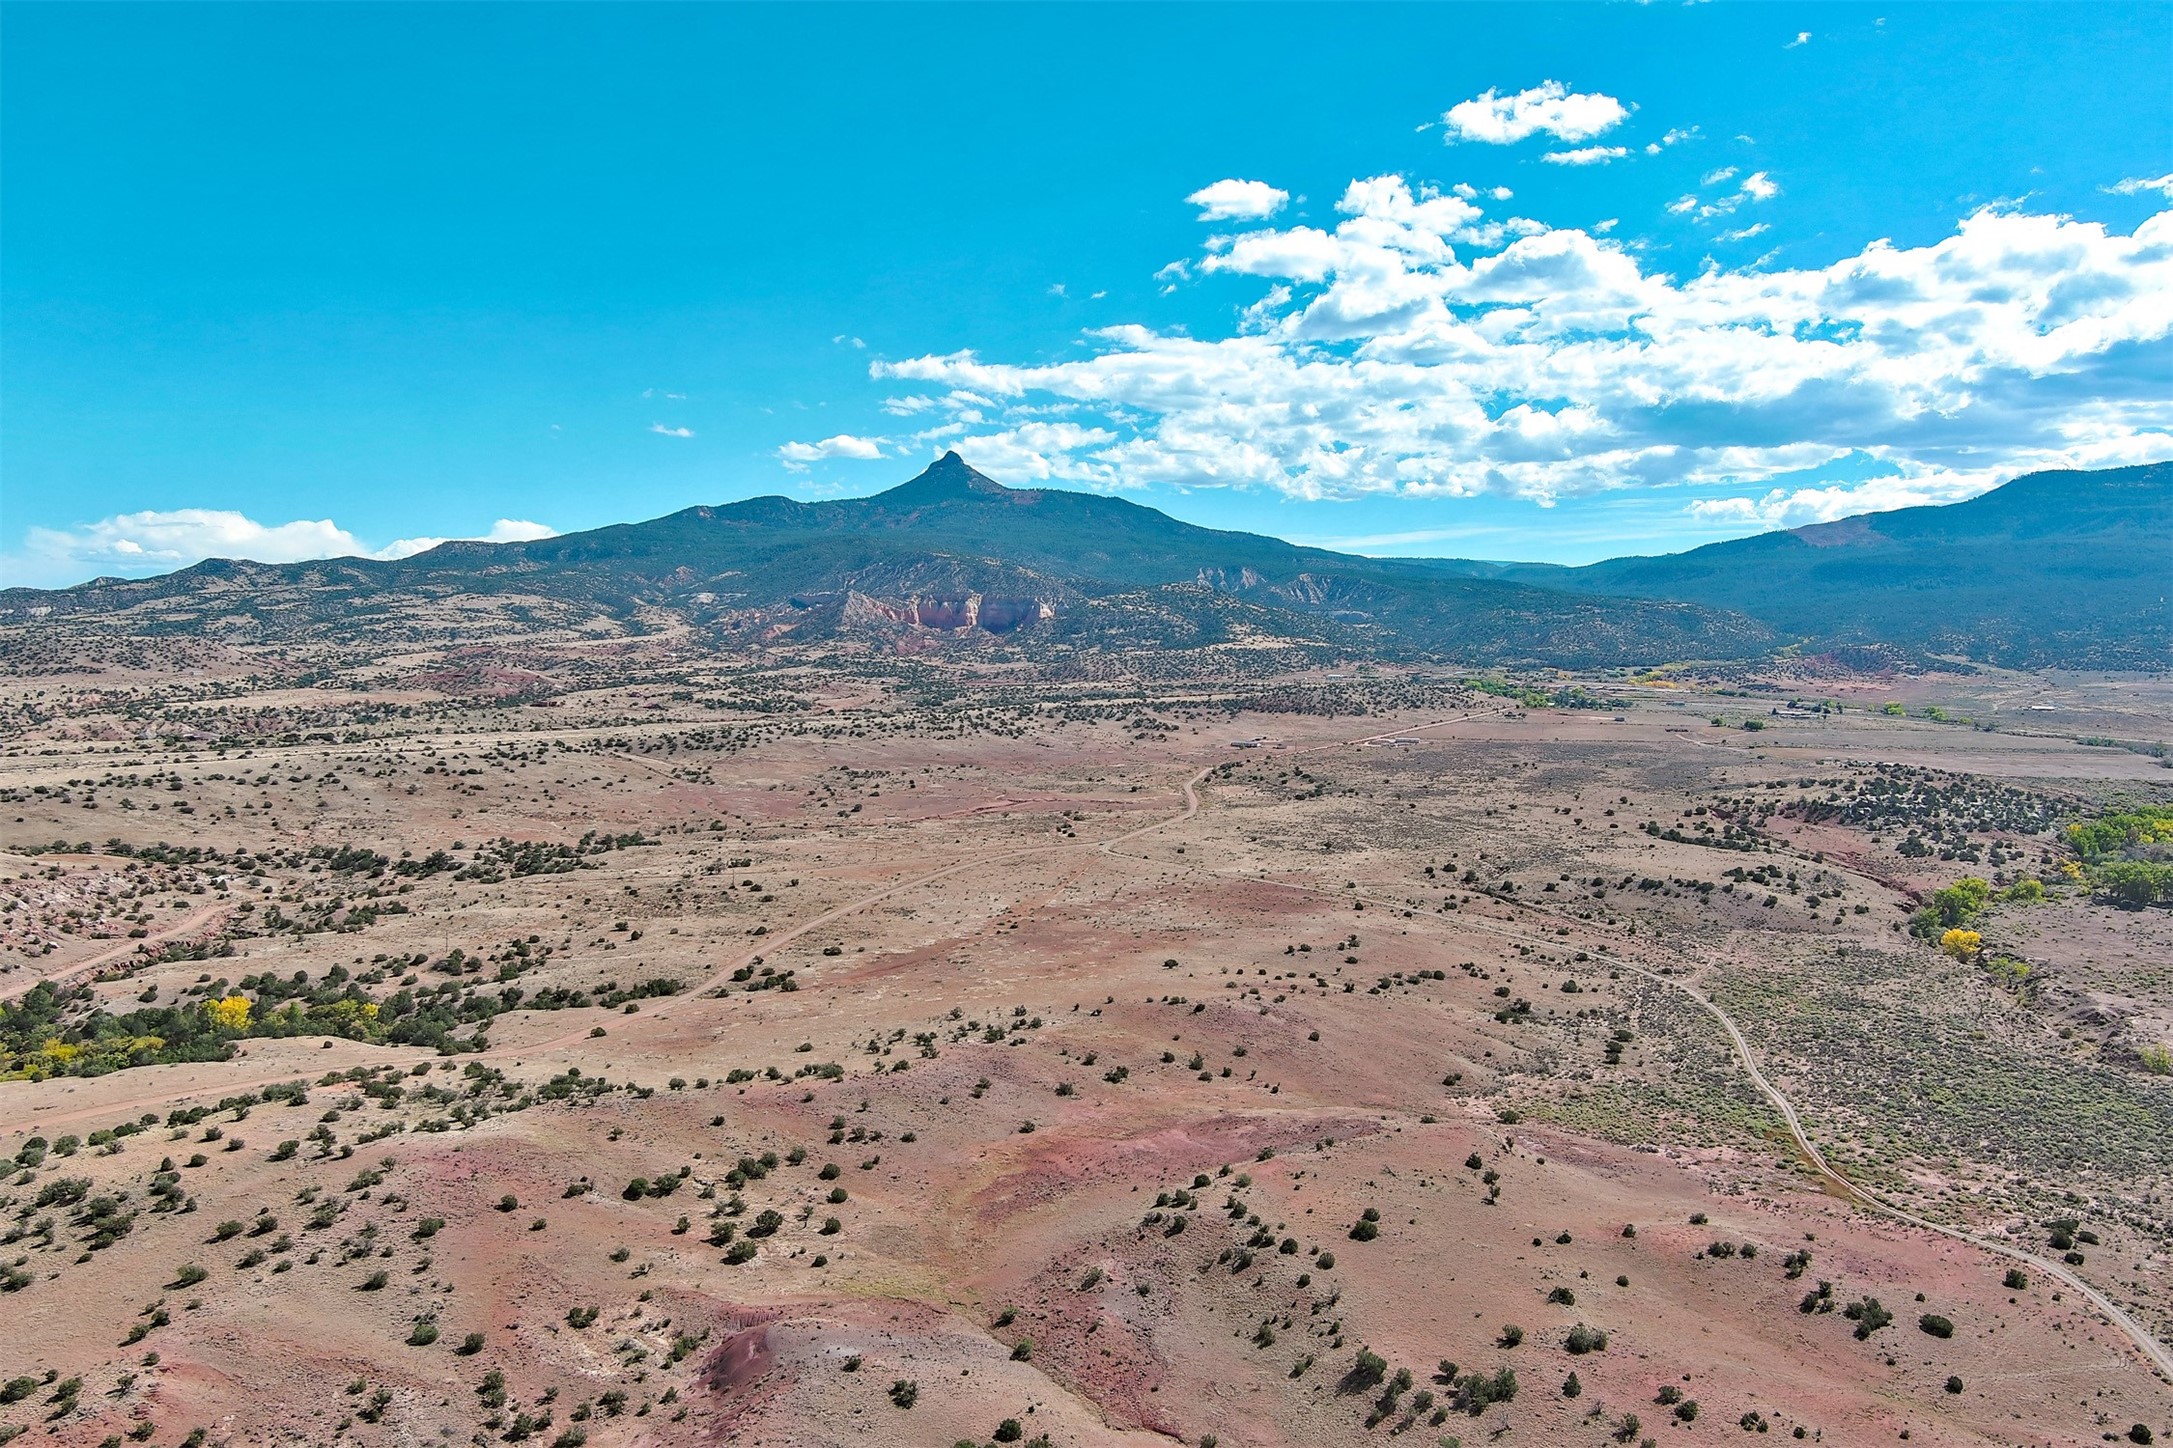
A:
(1586, 156)
(1238, 201)
(1550, 107)
(1794, 507)
(505, 530)
(662, 431)
(1745, 233)
(1419, 347)
(155, 541)
(159, 541)
(1033, 451)
(2133, 185)
(1803, 37)
(1754, 188)
(797, 455)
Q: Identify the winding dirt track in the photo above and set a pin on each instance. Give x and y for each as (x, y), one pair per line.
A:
(195, 920)
(2153, 1350)
(2148, 1345)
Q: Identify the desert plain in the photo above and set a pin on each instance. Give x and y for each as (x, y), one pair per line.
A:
(940, 1051)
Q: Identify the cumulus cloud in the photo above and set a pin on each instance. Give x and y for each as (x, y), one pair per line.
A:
(1586, 156)
(505, 530)
(158, 541)
(155, 541)
(1422, 347)
(1795, 507)
(797, 455)
(1238, 201)
(1033, 451)
(1550, 107)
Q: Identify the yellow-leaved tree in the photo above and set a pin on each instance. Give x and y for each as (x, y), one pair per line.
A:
(1962, 944)
(230, 1014)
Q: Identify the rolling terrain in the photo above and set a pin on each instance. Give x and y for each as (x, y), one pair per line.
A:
(949, 553)
(991, 966)
(2056, 568)
(2052, 570)
(862, 1065)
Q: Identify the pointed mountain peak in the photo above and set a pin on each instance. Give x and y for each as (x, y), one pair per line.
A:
(949, 476)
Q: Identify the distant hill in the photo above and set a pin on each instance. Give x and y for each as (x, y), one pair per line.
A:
(2054, 569)
(951, 553)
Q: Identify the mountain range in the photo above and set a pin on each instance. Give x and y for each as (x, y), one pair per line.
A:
(2066, 568)
(2053, 569)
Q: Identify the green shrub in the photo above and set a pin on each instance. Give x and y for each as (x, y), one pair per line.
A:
(1370, 1368)
(1582, 1340)
(1869, 1315)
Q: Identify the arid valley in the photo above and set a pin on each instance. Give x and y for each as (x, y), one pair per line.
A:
(1086, 726)
(940, 1050)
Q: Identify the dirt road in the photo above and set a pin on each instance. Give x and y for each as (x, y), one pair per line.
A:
(2153, 1350)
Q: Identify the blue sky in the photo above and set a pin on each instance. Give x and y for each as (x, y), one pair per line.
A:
(1514, 282)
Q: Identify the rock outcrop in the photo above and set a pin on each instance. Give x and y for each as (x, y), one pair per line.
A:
(954, 614)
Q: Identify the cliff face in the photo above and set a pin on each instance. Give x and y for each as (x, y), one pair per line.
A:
(953, 614)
